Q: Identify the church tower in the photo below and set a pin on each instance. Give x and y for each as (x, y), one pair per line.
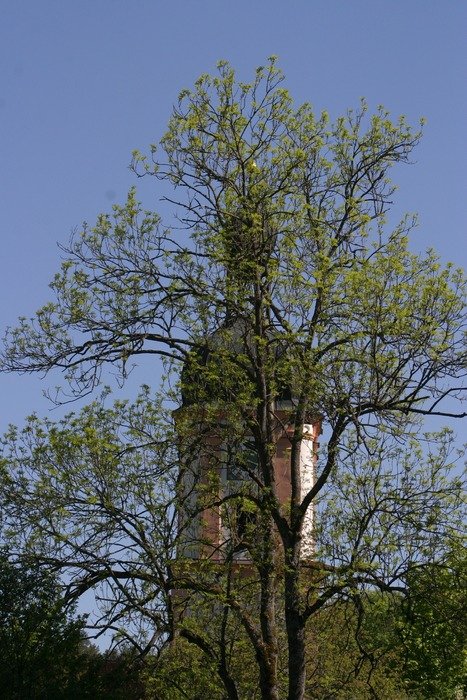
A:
(220, 477)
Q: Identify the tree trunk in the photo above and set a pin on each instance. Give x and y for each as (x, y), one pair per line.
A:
(268, 681)
(295, 635)
(229, 684)
(268, 674)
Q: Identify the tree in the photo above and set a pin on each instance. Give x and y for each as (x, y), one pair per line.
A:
(433, 629)
(279, 280)
(44, 649)
(41, 643)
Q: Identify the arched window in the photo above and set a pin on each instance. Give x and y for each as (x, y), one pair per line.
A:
(242, 462)
(240, 517)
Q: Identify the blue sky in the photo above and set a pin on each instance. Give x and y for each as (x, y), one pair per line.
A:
(84, 83)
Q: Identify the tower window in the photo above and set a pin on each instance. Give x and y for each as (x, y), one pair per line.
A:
(240, 517)
(242, 463)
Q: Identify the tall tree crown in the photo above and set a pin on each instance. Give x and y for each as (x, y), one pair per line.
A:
(286, 215)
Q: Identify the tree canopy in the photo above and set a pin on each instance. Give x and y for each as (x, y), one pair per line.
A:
(279, 278)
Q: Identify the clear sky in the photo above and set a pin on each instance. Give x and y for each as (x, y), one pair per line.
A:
(84, 82)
